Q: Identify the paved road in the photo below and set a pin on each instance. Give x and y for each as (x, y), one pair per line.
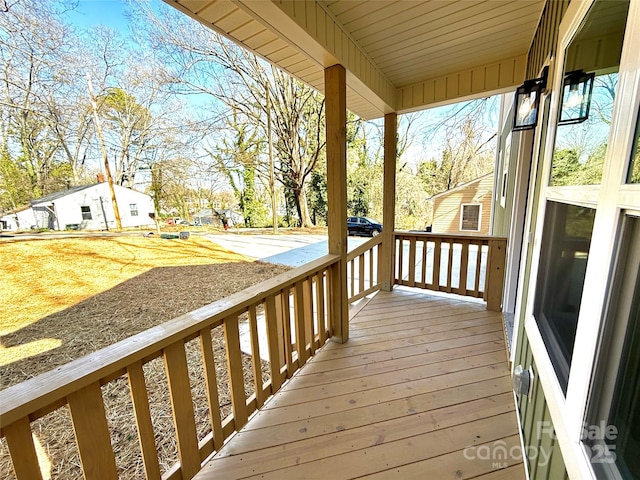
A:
(285, 249)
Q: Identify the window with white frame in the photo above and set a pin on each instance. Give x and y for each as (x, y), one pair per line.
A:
(133, 208)
(614, 447)
(86, 212)
(470, 217)
(577, 163)
(584, 328)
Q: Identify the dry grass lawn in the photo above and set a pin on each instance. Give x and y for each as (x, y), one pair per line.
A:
(64, 298)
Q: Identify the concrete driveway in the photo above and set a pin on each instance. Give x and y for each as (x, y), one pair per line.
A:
(284, 249)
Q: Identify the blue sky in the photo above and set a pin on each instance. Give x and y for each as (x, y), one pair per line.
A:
(110, 13)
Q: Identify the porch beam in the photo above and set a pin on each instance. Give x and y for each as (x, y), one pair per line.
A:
(387, 248)
(336, 131)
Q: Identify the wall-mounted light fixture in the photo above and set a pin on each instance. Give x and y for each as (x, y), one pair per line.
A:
(528, 102)
(576, 97)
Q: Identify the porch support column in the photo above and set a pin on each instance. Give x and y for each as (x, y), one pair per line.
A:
(336, 117)
(386, 262)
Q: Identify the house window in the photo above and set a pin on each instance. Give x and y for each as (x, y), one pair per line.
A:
(133, 208)
(614, 448)
(563, 261)
(86, 212)
(470, 217)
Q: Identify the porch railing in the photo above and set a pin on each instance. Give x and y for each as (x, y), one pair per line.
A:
(467, 265)
(362, 269)
(297, 309)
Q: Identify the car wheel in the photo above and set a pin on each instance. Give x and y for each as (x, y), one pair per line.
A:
(375, 232)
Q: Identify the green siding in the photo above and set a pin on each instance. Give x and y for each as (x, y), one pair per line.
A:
(534, 412)
(546, 37)
(544, 460)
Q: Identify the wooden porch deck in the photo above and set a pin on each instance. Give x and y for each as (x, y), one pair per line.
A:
(422, 383)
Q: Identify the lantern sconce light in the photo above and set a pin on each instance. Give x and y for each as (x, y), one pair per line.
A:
(528, 102)
(576, 97)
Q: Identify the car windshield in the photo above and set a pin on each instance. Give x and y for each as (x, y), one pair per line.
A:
(369, 220)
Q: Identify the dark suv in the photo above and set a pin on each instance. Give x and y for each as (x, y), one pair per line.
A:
(363, 226)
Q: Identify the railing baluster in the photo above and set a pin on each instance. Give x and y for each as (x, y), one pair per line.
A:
(476, 285)
(175, 361)
(301, 339)
(146, 435)
(361, 273)
(400, 260)
(286, 325)
(255, 356)
(412, 262)
(449, 267)
(280, 326)
(92, 433)
(352, 277)
(307, 291)
(423, 272)
(22, 450)
(464, 265)
(274, 345)
(320, 310)
(208, 360)
(234, 369)
(437, 254)
(372, 281)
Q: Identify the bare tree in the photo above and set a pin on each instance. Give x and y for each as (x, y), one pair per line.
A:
(200, 61)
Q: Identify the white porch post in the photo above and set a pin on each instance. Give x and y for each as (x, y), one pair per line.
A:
(336, 129)
(386, 262)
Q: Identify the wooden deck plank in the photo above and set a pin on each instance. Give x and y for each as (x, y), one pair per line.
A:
(441, 338)
(415, 329)
(326, 425)
(318, 365)
(310, 449)
(456, 465)
(397, 377)
(422, 379)
(423, 359)
(417, 312)
(272, 416)
(424, 326)
(402, 452)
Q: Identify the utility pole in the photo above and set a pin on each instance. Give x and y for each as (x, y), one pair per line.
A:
(94, 105)
(272, 182)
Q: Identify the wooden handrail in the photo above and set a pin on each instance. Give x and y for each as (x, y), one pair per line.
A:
(479, 256)
(365, 247)
(77, 384)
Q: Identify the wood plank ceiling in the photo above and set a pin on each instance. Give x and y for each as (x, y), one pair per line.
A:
(395, 52)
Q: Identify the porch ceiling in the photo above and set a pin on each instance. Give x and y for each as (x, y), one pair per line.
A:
(400, 55)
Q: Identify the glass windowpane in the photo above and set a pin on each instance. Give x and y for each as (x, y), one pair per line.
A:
(563, 263)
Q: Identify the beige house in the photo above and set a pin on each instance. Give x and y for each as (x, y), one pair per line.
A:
(465, 209)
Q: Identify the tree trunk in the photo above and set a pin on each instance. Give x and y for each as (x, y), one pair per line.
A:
(303, 207)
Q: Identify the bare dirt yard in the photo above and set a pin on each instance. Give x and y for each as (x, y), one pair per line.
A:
(65, 298)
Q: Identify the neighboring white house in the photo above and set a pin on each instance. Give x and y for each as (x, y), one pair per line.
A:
(87, 207)
(19, 219)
